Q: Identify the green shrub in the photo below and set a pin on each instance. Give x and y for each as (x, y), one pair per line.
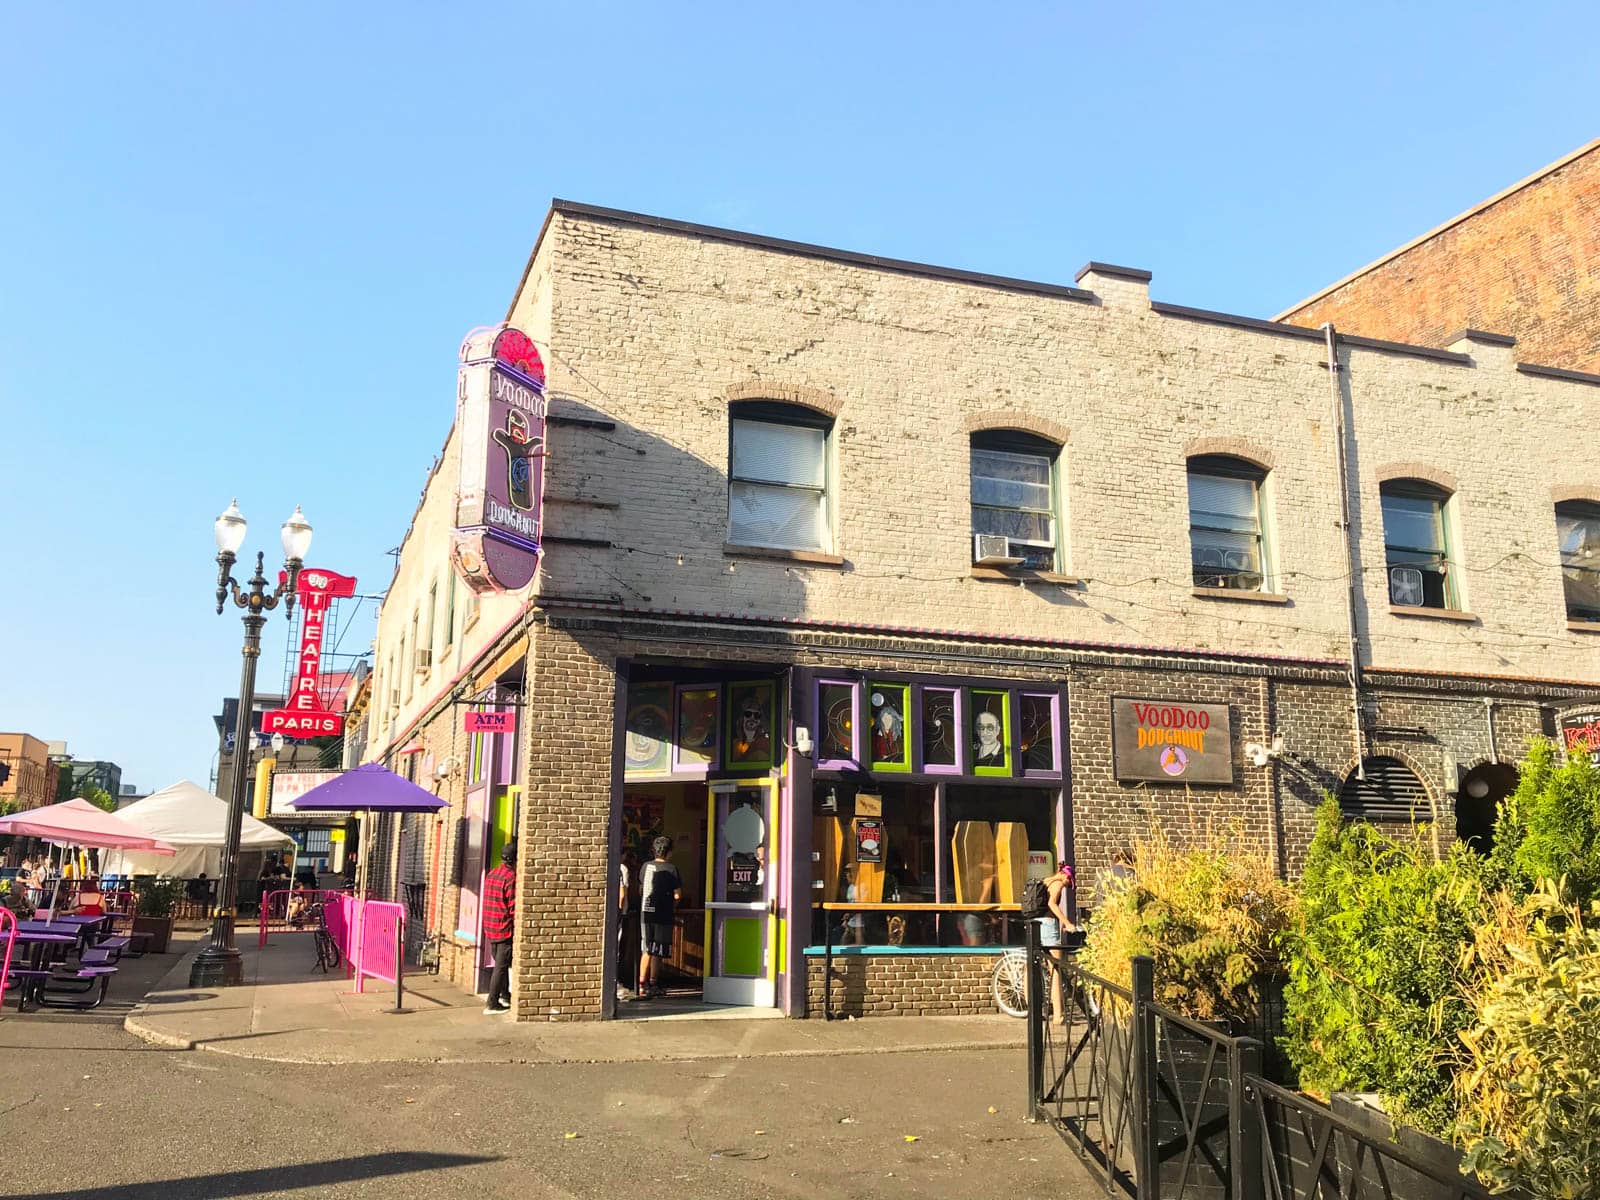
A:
(1373, 1003)
(1529, 1090)
(1209, 915)
(158, 897)
(1549, 828)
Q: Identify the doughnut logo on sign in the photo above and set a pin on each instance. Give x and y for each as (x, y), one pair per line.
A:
(1174, 761)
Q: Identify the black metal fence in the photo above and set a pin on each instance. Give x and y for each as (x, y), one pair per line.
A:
(1168, 1108)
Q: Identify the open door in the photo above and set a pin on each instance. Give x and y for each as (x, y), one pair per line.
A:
(741, 890)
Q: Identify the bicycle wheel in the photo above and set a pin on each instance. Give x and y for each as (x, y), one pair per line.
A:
(1009, 984)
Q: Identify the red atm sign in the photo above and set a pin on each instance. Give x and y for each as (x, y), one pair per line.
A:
(491, 722)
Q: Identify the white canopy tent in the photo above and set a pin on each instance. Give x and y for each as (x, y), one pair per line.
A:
(192, 820)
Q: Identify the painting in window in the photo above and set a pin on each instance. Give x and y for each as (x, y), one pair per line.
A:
(939, 728)
(989, 713)
(888, 706)
(751, 718)
(1036, 740)
(698, 728)
(647, 748)
(836, 722)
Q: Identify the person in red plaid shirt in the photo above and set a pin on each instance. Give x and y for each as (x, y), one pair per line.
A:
(499, 920)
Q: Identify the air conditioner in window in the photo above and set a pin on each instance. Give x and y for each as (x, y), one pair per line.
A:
(424, 658)
(1405, 587)
(993, 550)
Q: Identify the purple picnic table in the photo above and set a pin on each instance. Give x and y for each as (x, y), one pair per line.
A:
(36, 941)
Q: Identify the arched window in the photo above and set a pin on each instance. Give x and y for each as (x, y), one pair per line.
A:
(1227, 542)
(1391, 791)
(779, 476)
(1578, 522)
(1416, 541)
(1015, 500)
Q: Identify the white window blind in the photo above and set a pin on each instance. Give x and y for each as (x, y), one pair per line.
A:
(777, 490)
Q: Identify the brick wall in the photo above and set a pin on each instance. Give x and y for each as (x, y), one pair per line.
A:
(564, 836)
(1522, 264)
(907, 985)
(656, 330)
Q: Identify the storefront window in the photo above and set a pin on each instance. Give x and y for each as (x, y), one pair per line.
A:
(877, 847)
(991, 733)
(1037, 742)
(837, 710)
(891, 747)
(993, 831)
(941, 729)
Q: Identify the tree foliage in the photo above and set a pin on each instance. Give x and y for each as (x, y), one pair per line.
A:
(1549, 828)
(98, 797)
(1529, 1090)
(1209, 914)
(1373, 1002)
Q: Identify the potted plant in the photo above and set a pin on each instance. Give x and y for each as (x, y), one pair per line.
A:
(157, 899)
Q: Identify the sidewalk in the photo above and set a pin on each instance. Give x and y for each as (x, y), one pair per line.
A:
(286, 1012)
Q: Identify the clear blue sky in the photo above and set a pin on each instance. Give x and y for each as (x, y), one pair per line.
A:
(241, 242)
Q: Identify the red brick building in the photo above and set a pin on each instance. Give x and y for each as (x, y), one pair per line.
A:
(1525, 262)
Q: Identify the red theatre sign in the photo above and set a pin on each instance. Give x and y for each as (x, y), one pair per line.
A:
(302, 714)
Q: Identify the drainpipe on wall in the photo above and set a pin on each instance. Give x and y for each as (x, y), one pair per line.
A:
(1352, 553)
(1488, 715)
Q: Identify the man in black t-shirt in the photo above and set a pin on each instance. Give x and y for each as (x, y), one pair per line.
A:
(660, 889)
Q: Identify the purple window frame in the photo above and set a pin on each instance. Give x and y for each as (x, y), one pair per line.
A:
(960, 720)
(1055, 733)
(838, 764)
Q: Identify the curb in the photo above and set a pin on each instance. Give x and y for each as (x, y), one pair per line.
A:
(176, 1042)
(132, 1024)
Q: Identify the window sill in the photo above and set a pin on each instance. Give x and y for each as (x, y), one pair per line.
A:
(1000, 575)
(1433, 614)
(1584, 626)
(1210, 593)
(813, 558)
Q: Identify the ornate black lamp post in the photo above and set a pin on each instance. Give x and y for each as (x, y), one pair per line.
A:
(218, 964)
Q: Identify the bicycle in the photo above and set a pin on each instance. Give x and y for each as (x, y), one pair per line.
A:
(1008, 985)
(328, 957)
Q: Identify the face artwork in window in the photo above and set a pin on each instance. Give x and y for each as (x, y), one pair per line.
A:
(888, 724)
(751, 742)
(988, 750)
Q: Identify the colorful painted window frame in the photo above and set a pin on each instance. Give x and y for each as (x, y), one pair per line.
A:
(650, 711)
(752, 746)
(892, 736)
(979, 703)
(824, 715)
(958, 730)
(697, 707)
(1053, 722)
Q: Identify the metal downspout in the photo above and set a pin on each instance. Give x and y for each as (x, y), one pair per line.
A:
(1352, 555)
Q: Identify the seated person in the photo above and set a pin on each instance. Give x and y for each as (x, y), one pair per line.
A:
(90, 901)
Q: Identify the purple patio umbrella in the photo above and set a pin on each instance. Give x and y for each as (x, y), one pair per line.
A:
(370, 788)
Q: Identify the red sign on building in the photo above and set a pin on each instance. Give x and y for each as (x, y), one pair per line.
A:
(303, 714)
(491, 722)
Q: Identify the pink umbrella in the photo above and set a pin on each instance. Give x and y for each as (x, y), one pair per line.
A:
(79, 823)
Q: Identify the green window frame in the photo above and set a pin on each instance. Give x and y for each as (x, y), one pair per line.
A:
(1416, 536)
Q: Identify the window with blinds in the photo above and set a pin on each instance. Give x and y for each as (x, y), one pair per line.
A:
(1416, 545)
(1014, 495)
(1391, 791)
(778, 479)
(1226, 542)
(1578, 523)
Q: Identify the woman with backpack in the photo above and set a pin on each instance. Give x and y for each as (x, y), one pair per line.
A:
(1054, 920)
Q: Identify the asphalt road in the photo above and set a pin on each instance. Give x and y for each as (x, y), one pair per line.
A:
(89, 1112)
